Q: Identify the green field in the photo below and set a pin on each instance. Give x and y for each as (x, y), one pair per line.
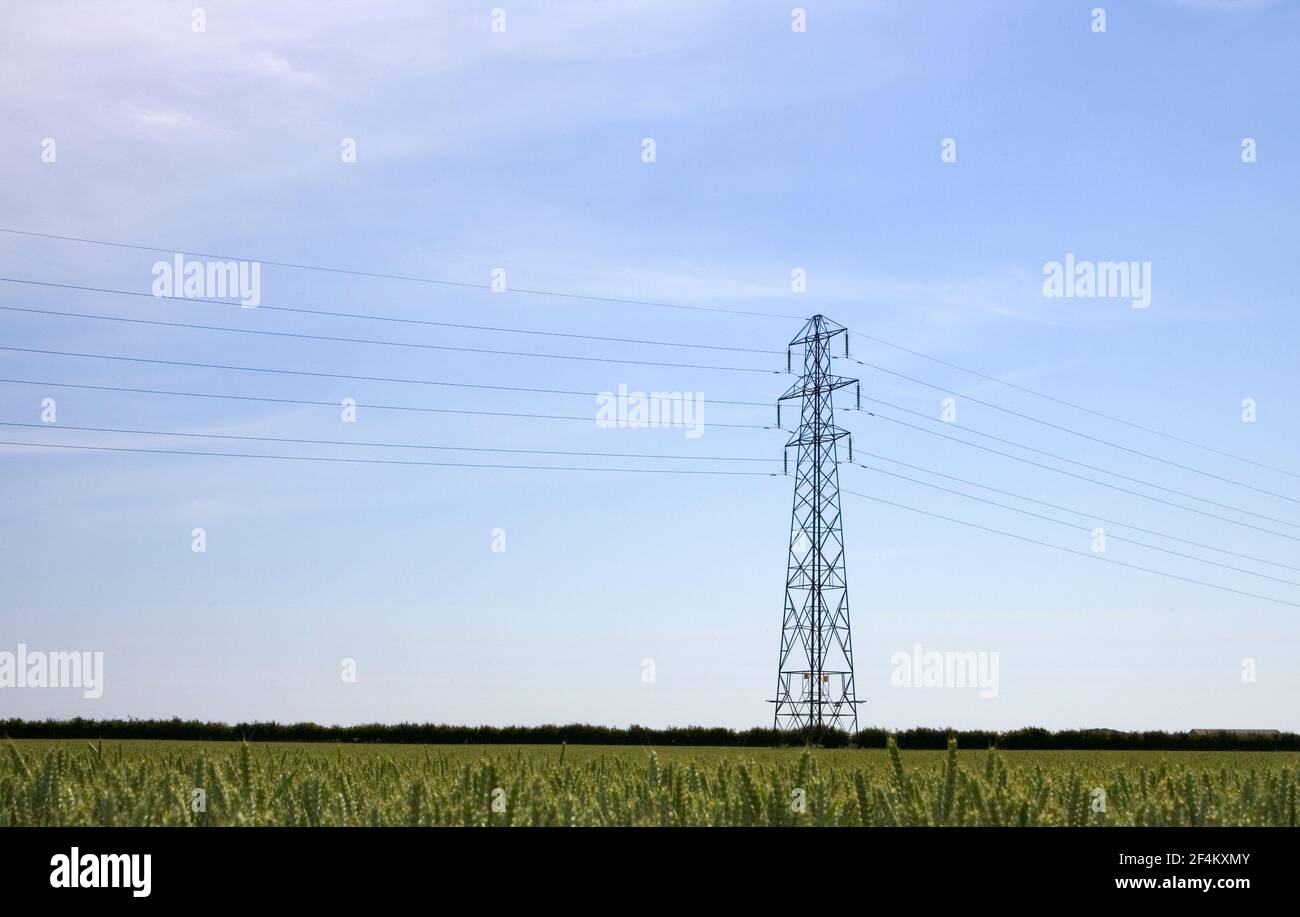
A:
(67, 782)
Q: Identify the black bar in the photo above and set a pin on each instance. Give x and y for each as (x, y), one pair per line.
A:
(331, 865)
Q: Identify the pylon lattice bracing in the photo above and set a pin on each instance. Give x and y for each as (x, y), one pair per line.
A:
(814, 686)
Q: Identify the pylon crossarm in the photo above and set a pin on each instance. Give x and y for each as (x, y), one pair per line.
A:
(821, 386)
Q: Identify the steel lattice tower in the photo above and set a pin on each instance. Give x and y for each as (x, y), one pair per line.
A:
(814, 685)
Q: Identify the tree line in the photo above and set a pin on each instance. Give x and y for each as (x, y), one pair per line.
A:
(585, 734)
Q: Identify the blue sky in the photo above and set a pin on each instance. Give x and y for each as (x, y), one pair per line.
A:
(775, 150)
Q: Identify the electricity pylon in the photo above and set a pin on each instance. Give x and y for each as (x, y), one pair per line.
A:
(814, 684)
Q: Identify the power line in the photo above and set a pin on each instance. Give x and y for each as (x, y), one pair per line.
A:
(1080, 477)
(405, 277)
(378, 445)
(647, 456)
(1079, 528)
(392, 318)
(373, 341)
(1063, 429)
(590, 394)
(1061, 458)
(695, 366)
(1077, 407)
(324, 375)
(667, 305)
(1079, 512)
(362, 461)
(1048, 544)
(586, 418)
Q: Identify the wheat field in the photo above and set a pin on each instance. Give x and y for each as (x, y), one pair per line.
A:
(65, 782)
